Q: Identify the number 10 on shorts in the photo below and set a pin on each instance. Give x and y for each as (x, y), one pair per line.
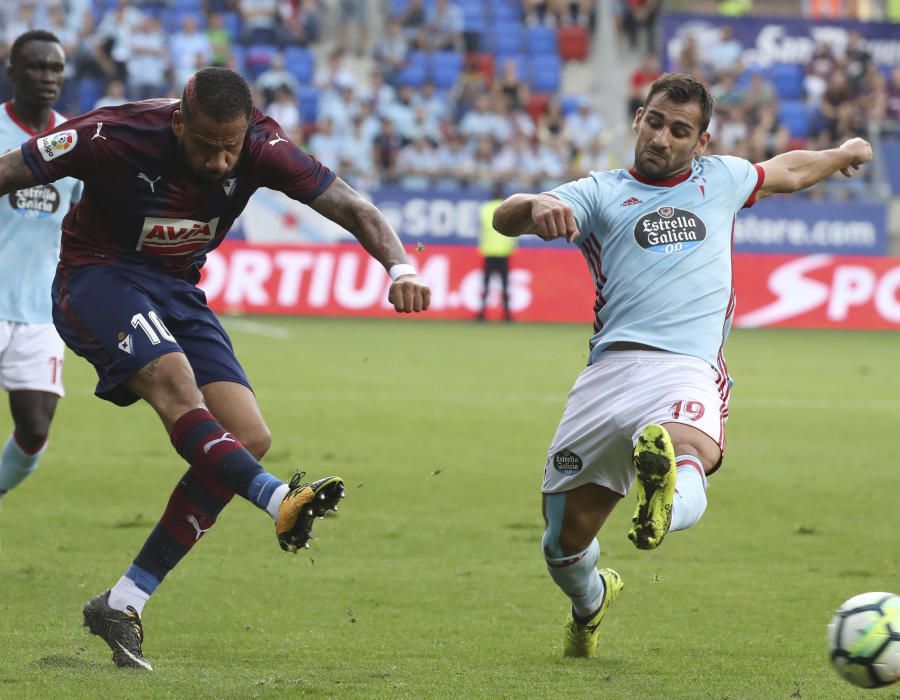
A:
(138, 321)
(692, 410)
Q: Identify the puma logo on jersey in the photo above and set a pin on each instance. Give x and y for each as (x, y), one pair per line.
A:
(277, 139)
(196, 525)
(97, 135)
(175, 236)
(152, 183)
(227, 437)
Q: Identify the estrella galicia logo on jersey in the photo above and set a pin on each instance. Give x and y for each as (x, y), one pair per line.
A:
(175, 236)
(669, 230)
(35, 202)
(567, 462)
(58, 144)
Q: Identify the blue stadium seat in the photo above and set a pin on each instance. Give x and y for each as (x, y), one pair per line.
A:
(787, 79)
(445, 68)
(89, 91)
(540, 40)
(506, 38)
(795, 115)
(300, 63)
(308, 96)
(569, 104)
(186, 5)
(258, 58)
(545, 73)
(239, 56)
(521, 64)
(415, 72)
(473, 18)
(506, 10)
(232, 22)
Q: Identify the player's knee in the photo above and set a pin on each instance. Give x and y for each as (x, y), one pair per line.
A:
(257, 442)
(31, 438)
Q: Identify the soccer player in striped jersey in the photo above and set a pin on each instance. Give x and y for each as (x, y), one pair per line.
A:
(31, 351)
(164, 181)
(652, 403)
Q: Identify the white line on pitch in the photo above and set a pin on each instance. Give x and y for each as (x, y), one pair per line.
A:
(256, 328)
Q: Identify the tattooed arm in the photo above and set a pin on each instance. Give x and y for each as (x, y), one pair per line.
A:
(343, 205)
(14, 174)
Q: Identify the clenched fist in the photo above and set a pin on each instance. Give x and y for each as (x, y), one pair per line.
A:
(409, 294)
(553, 219)
(859, 151)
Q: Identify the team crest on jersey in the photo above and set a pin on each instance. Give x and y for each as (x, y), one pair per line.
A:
(175, 236)
(567, 462)
(58, 144)
(669, 230)
(35, 202)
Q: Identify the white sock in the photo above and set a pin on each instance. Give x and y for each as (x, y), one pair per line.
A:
(276, 499)
(16, 464)
(689, 502)
(577, 576)
(126, 593)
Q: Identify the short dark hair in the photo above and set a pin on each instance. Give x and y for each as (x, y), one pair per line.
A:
(30, 35)
(682, 88)
(219, 93)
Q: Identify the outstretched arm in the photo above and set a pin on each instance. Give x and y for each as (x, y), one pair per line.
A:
(543, 214)
(14, 174)
(796, 170)
(343, 205)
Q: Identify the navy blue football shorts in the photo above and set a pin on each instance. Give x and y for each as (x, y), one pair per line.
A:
(121, 317)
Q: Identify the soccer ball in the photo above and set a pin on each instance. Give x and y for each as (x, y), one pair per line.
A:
(864, 639)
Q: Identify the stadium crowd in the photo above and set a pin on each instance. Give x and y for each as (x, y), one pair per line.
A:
(457, 92)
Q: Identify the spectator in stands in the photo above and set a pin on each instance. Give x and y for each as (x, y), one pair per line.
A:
(554, 13)
(188, 47)
(219, 40)
(552, 122)
(726, 92)
(640, 17)
(85, 57)
(647, 71)
(285, 110)
(857, 61)
(434, 104)
(357, 164)
(469, 85)
(454, 164)
(401, 112)
(481, 120)
(818, 69)
(114, 34)
(417, 164)
(423, 125)
(303, 21)
(332, 72)
(595, 156)
(483, 161)
(724, 55)
(323, 144)
(768, 137)
(276, 76)
(353, 22)
(413, 19)
(17, 23)
(387, 150)
(339, 105)
(517, 121)
(584, 124)
(392, 50)
(113, 96)
(688, 60)
(732, 133)
(444, 26)
(892, 108)
(148, 60)
(833, 106)
(369, 122)
(759, 95)
(261, 23)
(378, 92)
(510, 84)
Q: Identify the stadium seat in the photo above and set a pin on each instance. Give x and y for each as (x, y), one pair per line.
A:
(473, 18)
(258, 58)
(521, 64)
(308, 97)
(795, 115)
(544, 73)
(787, 79)
(537, 105)
(239, 56)
(505, 11)
(506, 38)
(300, 63)
(485, 64)
(232, 22)
(569, 104)
(445, 68)
(414, 73)
(540, 40)
(573, 43)
(89, 91)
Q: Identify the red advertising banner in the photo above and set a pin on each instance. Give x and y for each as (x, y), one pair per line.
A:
(818, 291)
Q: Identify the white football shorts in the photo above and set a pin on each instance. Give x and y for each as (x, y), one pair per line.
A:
(611, 403)
(31, 357)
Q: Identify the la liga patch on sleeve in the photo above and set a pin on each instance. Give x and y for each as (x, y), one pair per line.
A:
(58, 144)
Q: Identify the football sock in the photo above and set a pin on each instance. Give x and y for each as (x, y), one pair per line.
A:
(689, 501)
(17, 462)
(127, 594)
(219, 460)
(577, 576)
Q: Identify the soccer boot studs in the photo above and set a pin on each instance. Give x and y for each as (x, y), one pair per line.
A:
(654, 462)
(304, 503)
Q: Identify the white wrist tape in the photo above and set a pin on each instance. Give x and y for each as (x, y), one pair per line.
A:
(400, 270)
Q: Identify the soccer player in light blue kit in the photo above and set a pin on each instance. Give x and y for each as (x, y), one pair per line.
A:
(653, 400)
(31, 351)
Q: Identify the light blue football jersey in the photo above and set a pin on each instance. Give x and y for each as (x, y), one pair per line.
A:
(660, 254)
(30, 225)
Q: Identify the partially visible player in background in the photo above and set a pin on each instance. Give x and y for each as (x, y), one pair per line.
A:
(164, 181)
(653, 401)
(495, 249)
(31, 351)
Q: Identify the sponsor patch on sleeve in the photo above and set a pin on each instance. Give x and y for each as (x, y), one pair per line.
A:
(58, 144)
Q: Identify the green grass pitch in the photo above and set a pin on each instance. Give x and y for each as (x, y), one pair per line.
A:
(429, 582)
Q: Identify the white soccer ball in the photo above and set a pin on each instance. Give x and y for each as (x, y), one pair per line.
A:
(864, 639)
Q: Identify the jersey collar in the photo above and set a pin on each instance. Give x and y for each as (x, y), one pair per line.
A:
(24, 127)
(678, 179)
